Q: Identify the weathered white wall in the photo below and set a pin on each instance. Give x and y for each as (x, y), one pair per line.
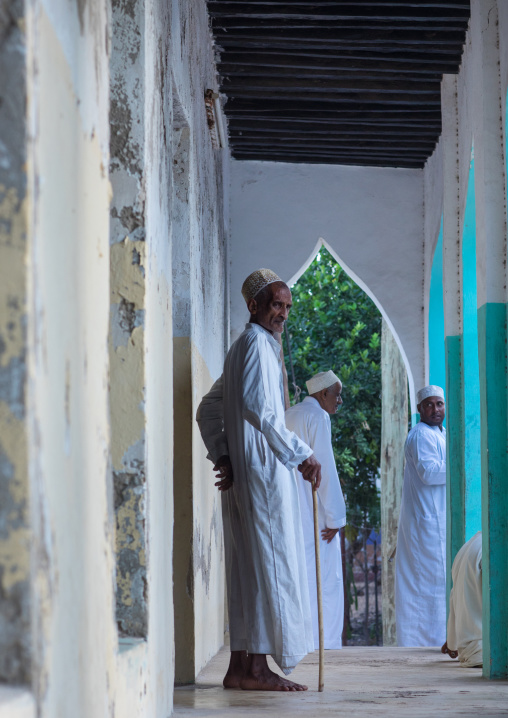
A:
(72, 585)
(370, 218)
(433, 209)
(200, 315)
(87, 227)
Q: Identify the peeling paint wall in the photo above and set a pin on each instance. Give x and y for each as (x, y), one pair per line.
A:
(394, 411)
(127, 317)
(92, 314)
(199, 232)
(74, 666)
(15, 634)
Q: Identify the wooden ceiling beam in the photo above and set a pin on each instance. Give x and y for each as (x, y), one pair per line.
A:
(338, 157)
(347, 142)
(379, 150)
(235, 86)
(288, 25)
(417, 4)
(410, 51)
(341, 59)
(346, 152)
(262, 128)
(295, 98)
(337, 11)
(296, 110)
(347, 36)
(403, 164)
(369, 73)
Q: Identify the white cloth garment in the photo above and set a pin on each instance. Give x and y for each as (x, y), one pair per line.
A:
(465, 619)
(312, 424)
(420, 568)
(243, 416)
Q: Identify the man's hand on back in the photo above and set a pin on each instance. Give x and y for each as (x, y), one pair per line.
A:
(311, 471)
(329, 534)
(225, 475)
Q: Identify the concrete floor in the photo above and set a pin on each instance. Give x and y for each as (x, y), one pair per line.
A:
(414, 682)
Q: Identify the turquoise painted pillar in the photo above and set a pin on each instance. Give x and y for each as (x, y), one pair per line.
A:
(455, 468)
(493, 392)
(490, 186)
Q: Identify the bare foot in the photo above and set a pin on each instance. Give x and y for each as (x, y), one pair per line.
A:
(446, 650)
(258, 677)
(236, 669)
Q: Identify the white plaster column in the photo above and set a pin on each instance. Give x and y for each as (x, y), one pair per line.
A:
(394, 408)
(452, 288)
(491, 187)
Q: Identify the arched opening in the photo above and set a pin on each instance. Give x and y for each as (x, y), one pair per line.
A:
(363, 286)
(335, 324)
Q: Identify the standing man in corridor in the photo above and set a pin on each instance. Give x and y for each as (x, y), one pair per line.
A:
(310, 420)
(242, 424)
(420, 569)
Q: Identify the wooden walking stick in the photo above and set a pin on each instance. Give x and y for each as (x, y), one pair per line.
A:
(315, 505)
(321, 683)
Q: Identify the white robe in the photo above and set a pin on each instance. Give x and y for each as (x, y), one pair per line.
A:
(465, 619)
(420, 568)
(312, 424)
(243, 416)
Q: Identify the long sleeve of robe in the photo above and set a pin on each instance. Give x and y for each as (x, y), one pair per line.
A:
(312, 424)
(243, 416)
(420, 568)
(465, 619)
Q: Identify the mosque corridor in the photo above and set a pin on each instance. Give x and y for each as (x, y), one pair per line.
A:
(358, 682)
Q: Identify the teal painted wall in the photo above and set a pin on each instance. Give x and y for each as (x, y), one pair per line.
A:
(455, 474)
(437, 363)
(494, 430)
(472, 437)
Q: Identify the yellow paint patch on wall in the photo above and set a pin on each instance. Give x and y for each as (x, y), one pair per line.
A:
(13, 225)
(128, 535)
(123, 587)
(127, 279)
(127, 395)
(15, 548)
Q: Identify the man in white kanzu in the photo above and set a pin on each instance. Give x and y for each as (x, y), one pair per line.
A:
(310, 420)
(420, 568)
(464, 635)
(242, 424)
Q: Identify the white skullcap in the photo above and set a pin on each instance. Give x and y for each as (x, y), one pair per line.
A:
(257, 281)
(430, 390)
(323, 380)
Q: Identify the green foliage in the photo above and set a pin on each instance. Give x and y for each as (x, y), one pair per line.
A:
(334, 325)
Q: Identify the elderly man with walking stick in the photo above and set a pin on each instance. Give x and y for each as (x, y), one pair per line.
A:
(310, 420)
(242, 424)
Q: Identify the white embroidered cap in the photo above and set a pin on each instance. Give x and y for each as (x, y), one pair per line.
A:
(322, 380)
(430, 390)
(257, 281)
